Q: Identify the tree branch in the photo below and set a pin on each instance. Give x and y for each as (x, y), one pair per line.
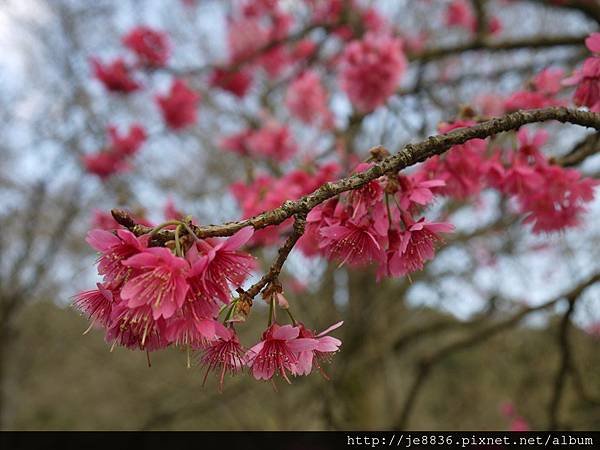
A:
(495, 46)
(426, 364)
(584, 149)
(411, 154)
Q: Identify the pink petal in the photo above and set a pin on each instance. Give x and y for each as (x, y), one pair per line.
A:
(335, 326)
(286, 332)
(302, 344)
(304, 364)
(432, 183)
(440, 227)
(130, 290)
(593, 42)
(251, 354)
(141, 260)
(102, 240)
(421, 196)
(238, 239)
(328, 344)
(165, 309)
(206, 328)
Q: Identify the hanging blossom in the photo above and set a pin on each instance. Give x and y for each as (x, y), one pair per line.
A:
(462, 168)
(278, 352)
(237, 82)
(541, 93)
(273, 141)
(459, 13)
(115, 76)
(151, 298)
(267, 192)
(371, 69)
(115, 157)
(587, 79)
(324, 348)
(550, 196)
(179, 106)
(374, 225)
(306, 99)
(149, 45)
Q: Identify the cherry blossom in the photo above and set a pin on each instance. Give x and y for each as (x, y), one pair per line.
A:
(150, 46)
(371, 70)
(115, 76)
(179, 106)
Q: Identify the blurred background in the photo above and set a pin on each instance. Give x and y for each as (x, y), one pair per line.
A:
(459, 346)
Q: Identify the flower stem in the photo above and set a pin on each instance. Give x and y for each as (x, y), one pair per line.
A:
(157, 228)
(178, 250)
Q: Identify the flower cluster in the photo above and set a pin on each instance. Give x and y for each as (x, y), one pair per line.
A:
(462, 167)
(460, 14)
(116, 76)
(150, 46)
(541, 93)
(587, 79)
(114, 158)
(267, 192)
(378, 223)
(179, 106)
(307, 100)
(273, 141)
(551, 197)
(151, 298)
(371, 70)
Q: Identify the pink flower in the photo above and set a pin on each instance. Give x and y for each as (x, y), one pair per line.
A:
(519, 424)
(274, 61)
(218, 266)
(96, 304)
(561, 200)
(104, 221)
(587, 80)
(459, 14)
(127, 144)
(593, 43)
(149, 45)
(189, 327)
(114, 249)
(277, 352)
(490, 104)
(414, 190)
(325, 347)
(371, 70)
(357, 244)
(104, 164)
(115, 76)
(245, 37)
(171, 212)
(307, 99)
(409, 250)
(529, 100)
(162, 284)
(180, 106)
(273, 141)
(237, 82)
(223, 355)
(548, 81)
(136, 328)
(462, 168)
